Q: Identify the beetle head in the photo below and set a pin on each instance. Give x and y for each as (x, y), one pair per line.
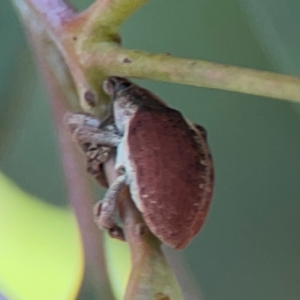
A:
(128, 98)
(122, 107)
(125, 91)
(116, 86)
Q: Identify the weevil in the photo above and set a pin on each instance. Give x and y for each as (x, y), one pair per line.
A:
(163, 158)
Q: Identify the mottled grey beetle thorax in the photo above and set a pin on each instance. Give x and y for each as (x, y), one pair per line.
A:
(123, 110)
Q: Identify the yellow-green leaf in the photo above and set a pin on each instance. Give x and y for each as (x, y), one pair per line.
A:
(40, 253)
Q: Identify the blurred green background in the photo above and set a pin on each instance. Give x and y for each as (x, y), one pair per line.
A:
(250, 247)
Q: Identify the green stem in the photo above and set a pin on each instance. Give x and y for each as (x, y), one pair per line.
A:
(114, 60)
(104, 18)
(58, 25)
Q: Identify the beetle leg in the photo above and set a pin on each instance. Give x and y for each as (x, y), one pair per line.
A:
(97, 144)
(86, 132)
(101, 137)
(116, 232)
(105, 210)
(95, 154)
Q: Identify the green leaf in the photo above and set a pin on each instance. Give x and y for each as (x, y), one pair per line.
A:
(40, 255)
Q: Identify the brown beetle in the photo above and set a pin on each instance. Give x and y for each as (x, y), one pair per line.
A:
(162, 157)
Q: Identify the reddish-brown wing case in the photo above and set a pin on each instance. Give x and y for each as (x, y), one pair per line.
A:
(174, 173)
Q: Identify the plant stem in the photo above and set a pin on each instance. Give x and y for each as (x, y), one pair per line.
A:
(151, 276)
(114, 60)
(78, 186)
(52, 13)
(91, 60)
(59, 25)
(104, 18)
